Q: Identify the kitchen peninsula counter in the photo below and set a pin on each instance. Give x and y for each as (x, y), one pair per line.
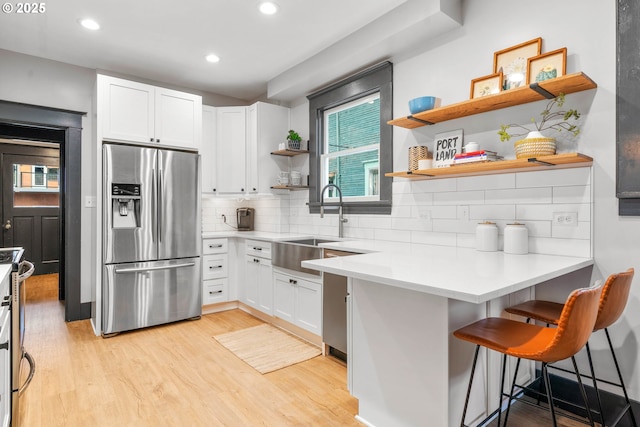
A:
(405, 367)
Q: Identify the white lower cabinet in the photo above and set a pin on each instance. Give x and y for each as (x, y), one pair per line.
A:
(298, 301)
(258, 282)
(215, 271)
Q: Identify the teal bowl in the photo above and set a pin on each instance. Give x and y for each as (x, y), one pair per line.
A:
(422, 103)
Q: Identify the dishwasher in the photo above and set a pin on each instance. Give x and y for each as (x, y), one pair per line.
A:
(334, 310)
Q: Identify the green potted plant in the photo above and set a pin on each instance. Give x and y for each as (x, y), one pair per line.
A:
(535, 143)
(293, 140)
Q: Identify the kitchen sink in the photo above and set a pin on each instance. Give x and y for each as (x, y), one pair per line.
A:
(289, 254)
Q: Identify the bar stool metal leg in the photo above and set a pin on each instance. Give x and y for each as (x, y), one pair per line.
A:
(513, 387)
(595, 383)
(582, 391)
(624, 389)
(466, 400)
(547, 385)
(504, 368)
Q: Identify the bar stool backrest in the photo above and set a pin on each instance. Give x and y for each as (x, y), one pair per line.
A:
(575, 324)
(613, 299)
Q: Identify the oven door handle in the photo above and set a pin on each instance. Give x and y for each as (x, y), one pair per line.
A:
(32, 371)
(29, 270)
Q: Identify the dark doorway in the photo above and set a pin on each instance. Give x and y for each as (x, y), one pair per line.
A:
(61, 127)
(31, 203)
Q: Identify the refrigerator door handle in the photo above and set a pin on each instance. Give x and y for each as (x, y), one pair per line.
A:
(160, 205)
(154, 204)
(163, 267)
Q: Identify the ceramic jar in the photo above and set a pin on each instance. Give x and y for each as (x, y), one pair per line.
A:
(516, 239)
(487, 237)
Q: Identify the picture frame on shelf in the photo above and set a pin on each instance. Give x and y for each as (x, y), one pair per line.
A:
(512, 61)
(446, 146)
(486, 85)
(547, 66)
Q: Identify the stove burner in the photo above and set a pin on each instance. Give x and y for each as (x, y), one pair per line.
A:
(6, 257)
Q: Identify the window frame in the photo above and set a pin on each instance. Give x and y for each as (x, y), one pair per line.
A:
(378, 78)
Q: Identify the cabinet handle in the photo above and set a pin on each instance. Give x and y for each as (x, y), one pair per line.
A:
(158, 140)
(256, 260)
(257, 249)
(211, 267)
(151, 139)
(293, 282)
(214, 190)
(254, 189)
(215, 292)
(242, 189)
(215, 246)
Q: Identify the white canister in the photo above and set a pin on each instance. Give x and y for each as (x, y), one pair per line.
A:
(516, 239)
(487, 237)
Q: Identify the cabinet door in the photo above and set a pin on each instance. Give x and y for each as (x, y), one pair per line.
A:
(208, 149)
(231, 150)
(214, 266)
(252, 148)
(251, 282)
(283, 296)
(178, 118)
(265, 286)
(126, 109)
(271, 126)
(309, 306)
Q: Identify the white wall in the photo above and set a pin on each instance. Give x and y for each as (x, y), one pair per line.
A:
(37, 81)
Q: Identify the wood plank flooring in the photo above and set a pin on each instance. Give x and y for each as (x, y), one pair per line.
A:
(175, 375)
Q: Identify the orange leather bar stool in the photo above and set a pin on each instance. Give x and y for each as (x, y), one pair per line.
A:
(615, 293)
(538, 343)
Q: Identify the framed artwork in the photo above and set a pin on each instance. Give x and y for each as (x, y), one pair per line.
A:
(446, 146)
(487, 85)
(512, 62)
(547, 66)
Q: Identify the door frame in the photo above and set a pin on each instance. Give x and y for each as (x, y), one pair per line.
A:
(32, 122)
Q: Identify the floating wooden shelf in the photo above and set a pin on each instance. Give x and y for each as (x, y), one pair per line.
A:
(535, 92)
(290, 187)
(560, 161)
(289, 153)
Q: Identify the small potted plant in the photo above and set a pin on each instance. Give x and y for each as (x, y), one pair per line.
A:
(293, 140)
(535, 143)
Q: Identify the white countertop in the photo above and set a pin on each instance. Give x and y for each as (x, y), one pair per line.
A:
(258, 235)
(458, 273)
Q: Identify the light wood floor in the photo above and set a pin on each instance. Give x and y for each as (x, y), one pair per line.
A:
(176, 375)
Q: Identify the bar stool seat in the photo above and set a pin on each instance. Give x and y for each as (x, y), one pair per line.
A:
(534, 342)
(613, 300)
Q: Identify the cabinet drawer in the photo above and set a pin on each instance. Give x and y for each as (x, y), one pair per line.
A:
(214, 291)
(215, 246)
(258, 248)
(214, 266)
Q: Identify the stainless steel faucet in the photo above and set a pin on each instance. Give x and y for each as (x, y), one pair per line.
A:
(341, 219)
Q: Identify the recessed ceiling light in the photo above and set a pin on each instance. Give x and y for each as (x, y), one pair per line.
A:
(212, 58)
(90, 24)
(268, 8)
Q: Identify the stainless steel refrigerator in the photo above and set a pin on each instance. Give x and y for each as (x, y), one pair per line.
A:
(151, 237)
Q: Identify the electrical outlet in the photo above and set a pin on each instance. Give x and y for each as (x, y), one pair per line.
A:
(565, 219)
(90, 202)
(425, 214)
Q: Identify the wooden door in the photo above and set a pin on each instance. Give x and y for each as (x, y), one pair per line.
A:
(31, 208)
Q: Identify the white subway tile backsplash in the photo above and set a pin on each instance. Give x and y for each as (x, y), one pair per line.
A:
(572, 194)
(438, 212)
(487, 182)
(582, 231)
(519, 196)
(554, 177)
(492, 212)
(459, 198)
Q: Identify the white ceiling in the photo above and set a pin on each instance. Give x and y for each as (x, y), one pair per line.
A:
(167, 41)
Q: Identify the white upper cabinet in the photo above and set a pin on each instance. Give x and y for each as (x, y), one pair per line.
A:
(137, 112)
(238, 157)
(231, 149)
(208, 149)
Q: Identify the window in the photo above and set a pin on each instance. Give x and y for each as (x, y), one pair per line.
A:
(351, 143)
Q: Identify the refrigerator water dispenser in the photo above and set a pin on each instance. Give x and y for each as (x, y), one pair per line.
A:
(125, 205)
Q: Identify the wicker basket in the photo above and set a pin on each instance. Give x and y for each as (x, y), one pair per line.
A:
(534, 147)
(416, 153)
